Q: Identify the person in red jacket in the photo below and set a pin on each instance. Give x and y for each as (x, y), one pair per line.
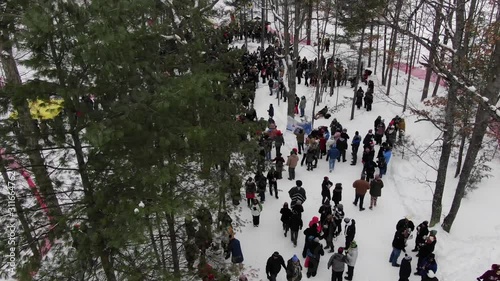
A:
(491, 275)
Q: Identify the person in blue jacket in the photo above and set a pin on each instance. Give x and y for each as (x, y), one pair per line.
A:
(234, 250)
(331, 157)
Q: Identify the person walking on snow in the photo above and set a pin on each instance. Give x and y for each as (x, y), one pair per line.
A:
(405, 269)
(273, 266)
(314, 253)
(286, 214)
(234, 250)
(325, 190)
(398, 245)
(337, 262)
(422, 231)
(300, 134)
(356, 140)
(376, 186)
(272, 176)
(350, 231)
(291, 162)
(302, 106)
(256, 209)
(280, 161)
(491, 275)
(293, 269)
(295, 223)
(338, 214)
(270, 111)
(331, 157)
(352, 256)
(329, 229)
(250, 189)
(297, 193)
(337, 193)
(361, 186)
(278, 141)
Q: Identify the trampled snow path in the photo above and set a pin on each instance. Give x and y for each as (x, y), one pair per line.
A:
(473, 243)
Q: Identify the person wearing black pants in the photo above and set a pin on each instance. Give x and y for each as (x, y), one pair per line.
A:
(272, 177)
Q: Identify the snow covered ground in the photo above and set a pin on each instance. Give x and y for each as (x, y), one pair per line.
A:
(466, 253)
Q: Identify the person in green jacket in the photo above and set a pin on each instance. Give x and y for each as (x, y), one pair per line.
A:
(376, 186)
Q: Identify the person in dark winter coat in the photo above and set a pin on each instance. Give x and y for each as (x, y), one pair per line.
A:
(250, 189)
(427, 264)
(325, 190)
(270, 111)
(314, 252)
(422, 230)
(273, 266)
(427, 248)
(404, 224)
(376, 186)
(297, 193)
(359, 97)
(342, 145)
(295, 224)
(350, 231)
(338, 214)
(261, 182)
(293, 269)
(368, 100)
(382, 166)
(379, 132)
(368, 138)
(312, 230)
(272, 176)
(278, 141)
(286, 214)
(369, 169)
(324, 211)
(356, 141)
(337, 262)
(234, 250)
(398, 245)
(337, 193)
(280, 162)
(405, 269)
(329, 229)
(491, 275)
(376, 122)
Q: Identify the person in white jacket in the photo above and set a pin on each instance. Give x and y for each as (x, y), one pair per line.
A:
(255, 209)
(352, 256)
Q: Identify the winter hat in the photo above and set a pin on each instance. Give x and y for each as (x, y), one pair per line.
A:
(370, 131)
(431, 274)
(325, 178)
(294, 150)
(347, 220)
(338, 184)
(295, 258)
(356, 133)
(340, 206)
(340, 250)
(353, 244)
(275, 254)
(285, 204)
(407, 257)
(298, 183)
(316, 240)
(433, 232)
(495, 266)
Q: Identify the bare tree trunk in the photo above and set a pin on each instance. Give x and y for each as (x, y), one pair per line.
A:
(410, 67)
(29, 132)
(433, 50)
(384, 57)
(376, 51)
(370, 46)
(481, 124)
(309, 8)
(392, 52)
(358, 71)
(463, 138)
(173, 244)
(450, 110)
(438, 79)
(263, 23)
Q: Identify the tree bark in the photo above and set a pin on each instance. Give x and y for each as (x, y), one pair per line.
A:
(384, 57)
(450, 110)
(29, 132)
(370, 45)
(433, 50)
(481, 124)
(392, 52)
(172, 234)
